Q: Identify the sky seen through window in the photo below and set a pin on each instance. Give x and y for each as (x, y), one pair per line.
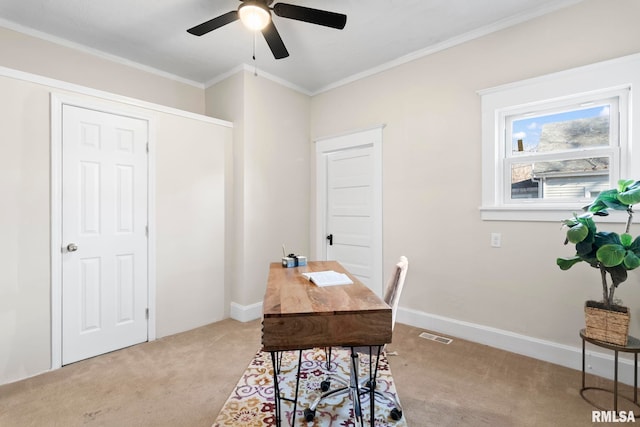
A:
(529, 129)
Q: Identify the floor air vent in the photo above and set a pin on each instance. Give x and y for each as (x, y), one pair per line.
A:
(437, 338)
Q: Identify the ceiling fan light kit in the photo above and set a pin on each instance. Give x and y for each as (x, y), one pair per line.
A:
(256, 15)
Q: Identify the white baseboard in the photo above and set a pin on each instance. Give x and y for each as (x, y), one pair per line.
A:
(246, 313)
(598, 363)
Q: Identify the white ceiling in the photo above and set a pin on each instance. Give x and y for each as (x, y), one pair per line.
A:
(378, 34)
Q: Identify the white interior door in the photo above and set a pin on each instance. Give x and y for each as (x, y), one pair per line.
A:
(352, 229)
(104, 232)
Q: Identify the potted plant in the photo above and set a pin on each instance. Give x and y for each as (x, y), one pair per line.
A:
(611, 253)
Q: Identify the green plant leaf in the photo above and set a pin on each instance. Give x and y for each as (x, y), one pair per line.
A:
(567, 263)
(618, 274)
(602, 238)
(611, 255)
(631, 261)
(623, 184)
(585, 250)
(626, 240)
(635, 246)
(577, 233)
(630, 197)
(607, 199)
(587, 221)
(570, 222)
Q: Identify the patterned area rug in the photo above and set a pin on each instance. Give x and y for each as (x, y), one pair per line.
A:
(251, 404)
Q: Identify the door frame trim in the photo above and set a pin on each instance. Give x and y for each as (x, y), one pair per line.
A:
(57, 100)
(369, 137)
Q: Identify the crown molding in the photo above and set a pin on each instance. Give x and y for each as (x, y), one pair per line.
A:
(95, 52)
(258, 73)
(438, 47)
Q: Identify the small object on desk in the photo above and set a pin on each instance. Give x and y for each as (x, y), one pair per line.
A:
(293, 260)
(328, 278)
(288, 262)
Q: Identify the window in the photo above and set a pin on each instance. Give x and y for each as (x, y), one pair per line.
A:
(551, 144)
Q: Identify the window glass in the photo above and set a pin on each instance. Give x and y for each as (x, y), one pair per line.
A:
(560, 131)
(560, 154)
(563, 180)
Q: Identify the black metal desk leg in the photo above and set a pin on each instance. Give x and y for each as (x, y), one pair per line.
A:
(276, 360)
(371, 384)
(354, 388)
(615, 384)
(276, 388)
(373, 375)
(295, 397)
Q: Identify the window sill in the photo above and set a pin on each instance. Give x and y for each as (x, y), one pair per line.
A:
(542, 213)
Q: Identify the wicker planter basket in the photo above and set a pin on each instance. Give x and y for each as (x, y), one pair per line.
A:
(608, 325)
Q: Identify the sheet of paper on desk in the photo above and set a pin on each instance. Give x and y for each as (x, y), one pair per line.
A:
(328, 278)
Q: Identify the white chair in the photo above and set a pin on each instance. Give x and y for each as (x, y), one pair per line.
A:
(355, 386)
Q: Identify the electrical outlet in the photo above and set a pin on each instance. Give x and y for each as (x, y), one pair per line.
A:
(496, 240)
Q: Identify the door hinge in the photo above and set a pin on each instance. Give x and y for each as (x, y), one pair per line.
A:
(146, 313)
(147, 147)
(146, 230)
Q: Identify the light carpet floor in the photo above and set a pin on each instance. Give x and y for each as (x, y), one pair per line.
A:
(185, 379)
(251, 404)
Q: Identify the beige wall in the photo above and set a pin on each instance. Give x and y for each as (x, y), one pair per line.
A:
(226, 101)
(432, 174)
(41, 57)
(190, 216)
(271, 175)
(190, 231)
(25, 308)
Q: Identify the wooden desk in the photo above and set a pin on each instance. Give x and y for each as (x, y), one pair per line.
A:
(298, 314)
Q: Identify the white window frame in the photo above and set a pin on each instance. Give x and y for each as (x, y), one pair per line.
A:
(616, 77)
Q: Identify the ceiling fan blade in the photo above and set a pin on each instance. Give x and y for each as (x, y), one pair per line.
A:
(314, 16)
(214, 23)
(274, 41)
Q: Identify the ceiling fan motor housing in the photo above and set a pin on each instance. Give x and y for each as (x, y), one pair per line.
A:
(254, 14)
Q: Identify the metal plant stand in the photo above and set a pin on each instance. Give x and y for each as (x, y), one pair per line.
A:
(633, 346)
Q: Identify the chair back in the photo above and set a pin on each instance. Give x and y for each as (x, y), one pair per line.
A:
(394, 286)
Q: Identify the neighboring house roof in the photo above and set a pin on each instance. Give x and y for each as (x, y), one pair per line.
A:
(580, 133)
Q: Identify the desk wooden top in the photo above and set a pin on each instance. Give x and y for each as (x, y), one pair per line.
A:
(297, 314)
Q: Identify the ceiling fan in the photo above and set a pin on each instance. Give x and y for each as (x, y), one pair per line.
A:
(256, 14)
